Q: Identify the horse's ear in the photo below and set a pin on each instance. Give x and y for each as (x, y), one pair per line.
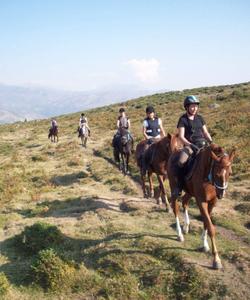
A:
(232, 154)
(214, 156)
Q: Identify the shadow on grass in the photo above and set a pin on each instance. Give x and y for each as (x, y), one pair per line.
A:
(72, 207)
(100, 154)
(90, 251)
(68, 179)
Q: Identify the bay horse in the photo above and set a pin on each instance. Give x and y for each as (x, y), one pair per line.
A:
(84, 133)
(156, 156)
(53, 134)
(123, 145)
(208, 182)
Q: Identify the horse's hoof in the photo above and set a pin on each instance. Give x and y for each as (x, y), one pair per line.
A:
(206, 249)
(181, 238)
(185, 229)
(169, 209)
(217, 265)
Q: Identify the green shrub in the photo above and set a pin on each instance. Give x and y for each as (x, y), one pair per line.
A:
(51, 272)
(4, 284)
(40, 236)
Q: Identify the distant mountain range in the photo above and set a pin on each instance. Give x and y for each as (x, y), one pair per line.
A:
(18, 103)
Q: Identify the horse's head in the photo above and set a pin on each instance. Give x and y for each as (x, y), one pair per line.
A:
(221, 169)
(175, 142)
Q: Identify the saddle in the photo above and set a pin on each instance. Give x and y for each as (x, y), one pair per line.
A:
(190, 166)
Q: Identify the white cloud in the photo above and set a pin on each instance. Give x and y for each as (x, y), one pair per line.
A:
(145, 70)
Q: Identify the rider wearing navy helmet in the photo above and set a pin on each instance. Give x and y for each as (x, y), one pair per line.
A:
(193, 133)
(152, 126)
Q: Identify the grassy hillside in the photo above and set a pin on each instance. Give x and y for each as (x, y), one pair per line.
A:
(101, 239)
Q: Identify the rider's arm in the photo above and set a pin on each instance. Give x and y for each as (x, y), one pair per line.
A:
(144, 132)
(181, 132)
(206, 133)
(162, 129)
(144, 129)
(118, 124)
(129, 125)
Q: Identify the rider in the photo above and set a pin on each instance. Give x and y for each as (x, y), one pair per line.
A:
(152, 131)
(193, 133)
(123, 122)
(83, 123)
(53, 123)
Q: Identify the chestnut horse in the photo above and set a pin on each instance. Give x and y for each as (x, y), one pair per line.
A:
(208, 182)
(156, 156)
(53, 134)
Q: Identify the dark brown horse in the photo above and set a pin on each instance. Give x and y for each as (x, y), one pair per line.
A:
(123, 145)
(208, 182)
(156, 156)
(53, 134)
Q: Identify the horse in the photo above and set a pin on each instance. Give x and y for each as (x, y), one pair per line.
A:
(123, 145)
(53, 134)
(84, 133)
(156, 156)
(209, 181)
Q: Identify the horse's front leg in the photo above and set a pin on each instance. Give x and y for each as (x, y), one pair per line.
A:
(163, 193)
(175, 207)
(151, 187)
(185, 200)
(211, 231)
(127, 163)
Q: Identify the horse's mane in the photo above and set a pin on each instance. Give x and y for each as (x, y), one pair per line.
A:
(175, 142)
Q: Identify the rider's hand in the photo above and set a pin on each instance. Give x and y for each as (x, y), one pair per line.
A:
(195, 148)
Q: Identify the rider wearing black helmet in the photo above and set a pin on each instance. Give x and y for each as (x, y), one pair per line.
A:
(152, 131)
(122, 122)
(193, 133)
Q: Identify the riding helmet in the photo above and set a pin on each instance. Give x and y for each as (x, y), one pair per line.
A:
(190, 100)
(121, 110)
(150, 110)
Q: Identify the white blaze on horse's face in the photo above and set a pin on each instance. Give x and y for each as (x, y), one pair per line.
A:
(221, 171)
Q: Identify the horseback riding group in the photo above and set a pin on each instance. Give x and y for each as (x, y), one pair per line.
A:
(83, 130)
(189, 159)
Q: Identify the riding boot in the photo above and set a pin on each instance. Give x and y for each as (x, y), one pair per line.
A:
(179, 179)
(179, 187)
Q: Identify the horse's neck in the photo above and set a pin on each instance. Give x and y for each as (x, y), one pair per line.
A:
(164, 146)
(205, 162)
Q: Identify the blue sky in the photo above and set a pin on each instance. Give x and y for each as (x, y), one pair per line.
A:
(160, 44)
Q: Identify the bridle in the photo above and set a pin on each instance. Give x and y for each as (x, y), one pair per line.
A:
(211, 175)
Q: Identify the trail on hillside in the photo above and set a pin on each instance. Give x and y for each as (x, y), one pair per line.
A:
(128, 241)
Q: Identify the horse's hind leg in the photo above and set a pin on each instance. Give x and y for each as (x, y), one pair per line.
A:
(151, 187)
(85, 142)
(211, 231)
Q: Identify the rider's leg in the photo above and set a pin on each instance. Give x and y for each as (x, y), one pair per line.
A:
(183, 158)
